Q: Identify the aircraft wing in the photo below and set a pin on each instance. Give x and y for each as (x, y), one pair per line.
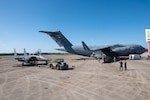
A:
(108, 51)
(100, 51)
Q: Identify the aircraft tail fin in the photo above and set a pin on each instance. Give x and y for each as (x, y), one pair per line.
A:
(15, 54)
(85, 46)
(59, 38)
(25, 53)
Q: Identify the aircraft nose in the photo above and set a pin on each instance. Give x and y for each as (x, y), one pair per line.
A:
(143, 49)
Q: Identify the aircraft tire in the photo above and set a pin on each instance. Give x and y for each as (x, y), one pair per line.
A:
(107, 59)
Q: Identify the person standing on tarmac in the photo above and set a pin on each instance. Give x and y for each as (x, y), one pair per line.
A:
(125, 65)
(121, 67)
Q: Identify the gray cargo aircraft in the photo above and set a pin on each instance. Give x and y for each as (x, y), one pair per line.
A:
(30, 59)
(106, 52)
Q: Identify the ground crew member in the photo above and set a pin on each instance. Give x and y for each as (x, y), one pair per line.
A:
(99, 59)
(121, 67)
(125, 65)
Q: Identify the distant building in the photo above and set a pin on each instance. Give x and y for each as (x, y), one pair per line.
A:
(147, 31)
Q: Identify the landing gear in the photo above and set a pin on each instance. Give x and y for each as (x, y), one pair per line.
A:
(108, 59)
(22, 64)
(33, 61)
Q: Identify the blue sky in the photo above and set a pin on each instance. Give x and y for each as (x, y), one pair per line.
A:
(97, 22)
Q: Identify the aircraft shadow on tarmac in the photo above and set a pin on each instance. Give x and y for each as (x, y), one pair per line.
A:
(98, 60)
(83, 59)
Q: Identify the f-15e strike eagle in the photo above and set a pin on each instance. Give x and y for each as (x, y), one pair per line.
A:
(106, 52)
(30, 59)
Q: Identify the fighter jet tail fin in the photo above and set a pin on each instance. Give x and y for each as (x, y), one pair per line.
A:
(15, 54)
(25, 53)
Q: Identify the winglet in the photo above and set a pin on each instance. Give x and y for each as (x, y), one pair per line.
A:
(85, 46)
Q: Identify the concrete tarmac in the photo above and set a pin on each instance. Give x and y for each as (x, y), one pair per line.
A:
(86, 80)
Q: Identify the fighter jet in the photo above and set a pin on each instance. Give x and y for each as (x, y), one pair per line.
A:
(30, 59)
(106, 52)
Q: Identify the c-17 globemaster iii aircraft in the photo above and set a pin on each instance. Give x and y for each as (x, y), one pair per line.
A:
(105, 52)
(30, 59)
